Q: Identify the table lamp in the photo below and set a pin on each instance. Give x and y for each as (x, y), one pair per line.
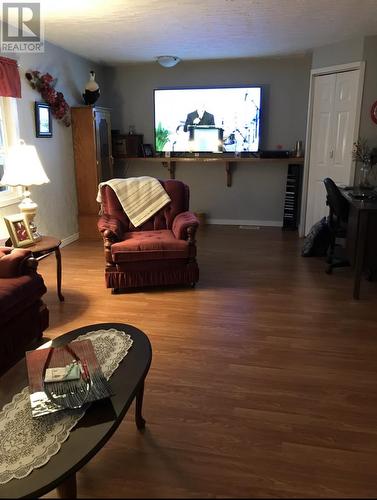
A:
(24, 168)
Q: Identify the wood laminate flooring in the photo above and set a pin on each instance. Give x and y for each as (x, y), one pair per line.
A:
(263, 378)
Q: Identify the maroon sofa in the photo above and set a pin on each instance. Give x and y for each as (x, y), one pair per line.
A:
(160, 252)
(23, 315)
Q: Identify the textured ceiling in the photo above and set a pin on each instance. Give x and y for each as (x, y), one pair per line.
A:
(115, 31)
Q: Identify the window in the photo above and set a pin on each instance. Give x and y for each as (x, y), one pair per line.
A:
(8, 135)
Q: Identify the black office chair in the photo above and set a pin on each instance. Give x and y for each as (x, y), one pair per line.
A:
(337, 222)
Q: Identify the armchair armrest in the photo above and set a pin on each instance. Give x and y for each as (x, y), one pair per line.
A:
(16, 262)
(185, 225)
(110, 227)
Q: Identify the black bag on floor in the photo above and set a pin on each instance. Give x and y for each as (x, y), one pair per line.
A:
(317, 241)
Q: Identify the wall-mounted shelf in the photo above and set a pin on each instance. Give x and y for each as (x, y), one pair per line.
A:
(170, 162)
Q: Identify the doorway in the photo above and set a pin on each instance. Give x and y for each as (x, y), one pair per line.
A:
(333, 126)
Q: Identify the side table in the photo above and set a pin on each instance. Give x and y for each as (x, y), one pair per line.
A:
(43, 248)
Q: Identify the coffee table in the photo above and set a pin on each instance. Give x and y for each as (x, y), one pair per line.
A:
(100, 421)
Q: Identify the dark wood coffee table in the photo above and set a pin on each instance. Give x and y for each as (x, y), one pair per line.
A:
(96, 427)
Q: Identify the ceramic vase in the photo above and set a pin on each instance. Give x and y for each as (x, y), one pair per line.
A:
(92, 91)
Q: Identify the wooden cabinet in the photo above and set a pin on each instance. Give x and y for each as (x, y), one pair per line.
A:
(91, 132)
(127, 145)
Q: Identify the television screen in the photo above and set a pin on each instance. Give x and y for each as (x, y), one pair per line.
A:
(212, 120)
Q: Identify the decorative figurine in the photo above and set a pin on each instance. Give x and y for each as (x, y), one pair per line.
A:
(92, 91)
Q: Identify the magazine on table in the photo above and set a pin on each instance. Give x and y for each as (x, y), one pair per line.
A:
(66, 377)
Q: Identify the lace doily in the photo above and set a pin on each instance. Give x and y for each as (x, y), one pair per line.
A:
(27, 443)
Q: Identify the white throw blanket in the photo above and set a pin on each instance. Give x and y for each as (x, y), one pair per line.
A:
(140, 197)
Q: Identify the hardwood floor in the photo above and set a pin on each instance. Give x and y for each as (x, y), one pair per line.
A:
(263, 378)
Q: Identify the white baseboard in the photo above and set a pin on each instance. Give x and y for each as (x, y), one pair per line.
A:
(69, 239)
(243, 222)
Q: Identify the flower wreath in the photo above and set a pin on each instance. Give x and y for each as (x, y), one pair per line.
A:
(45, 85)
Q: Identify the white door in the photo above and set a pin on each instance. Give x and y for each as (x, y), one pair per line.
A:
(334, 130)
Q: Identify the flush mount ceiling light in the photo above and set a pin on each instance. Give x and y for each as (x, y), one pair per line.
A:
(168, 61)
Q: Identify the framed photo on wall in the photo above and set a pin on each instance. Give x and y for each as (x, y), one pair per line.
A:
(19, 230)
(43, 120)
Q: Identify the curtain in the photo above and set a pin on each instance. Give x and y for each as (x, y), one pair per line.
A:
(10, 84)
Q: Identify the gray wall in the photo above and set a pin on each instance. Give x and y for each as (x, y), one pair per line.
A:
(358, 49)
(368, 128)
(57, 212)
(257, 194)
(338, 53)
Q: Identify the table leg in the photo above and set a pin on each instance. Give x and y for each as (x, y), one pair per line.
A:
(68, 488)
(59, 273)
(360, 251)
(140, 422)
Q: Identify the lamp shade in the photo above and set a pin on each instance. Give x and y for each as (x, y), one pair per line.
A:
(23, 167)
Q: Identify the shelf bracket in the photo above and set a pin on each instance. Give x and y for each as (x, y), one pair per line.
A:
(228, 168)
(170, 165)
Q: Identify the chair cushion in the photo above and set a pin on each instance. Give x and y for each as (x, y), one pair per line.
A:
(16, 294)
(149, 245)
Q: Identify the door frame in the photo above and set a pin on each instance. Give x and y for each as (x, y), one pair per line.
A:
(340, 68)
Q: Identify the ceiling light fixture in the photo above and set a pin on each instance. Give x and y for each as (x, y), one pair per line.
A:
(168, 61)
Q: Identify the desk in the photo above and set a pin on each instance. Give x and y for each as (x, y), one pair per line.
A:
(361, 241)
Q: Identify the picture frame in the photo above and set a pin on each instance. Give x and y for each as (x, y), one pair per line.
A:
(19, 230)
(147, 150)
(43, 120)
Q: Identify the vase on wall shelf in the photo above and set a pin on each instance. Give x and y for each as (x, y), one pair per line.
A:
(364, 176)
(91, 91)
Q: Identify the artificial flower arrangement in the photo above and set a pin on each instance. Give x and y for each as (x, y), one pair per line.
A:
(367, 156)
(361, 151)
(45, 85)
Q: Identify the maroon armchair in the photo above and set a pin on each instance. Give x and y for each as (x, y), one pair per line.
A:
(23, 315)
(162, 251)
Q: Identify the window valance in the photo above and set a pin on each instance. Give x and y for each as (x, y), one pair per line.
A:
(10, 83)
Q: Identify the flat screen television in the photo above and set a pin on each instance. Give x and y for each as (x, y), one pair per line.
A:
(207, 120)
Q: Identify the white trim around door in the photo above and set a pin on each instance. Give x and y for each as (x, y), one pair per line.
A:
(358, 65)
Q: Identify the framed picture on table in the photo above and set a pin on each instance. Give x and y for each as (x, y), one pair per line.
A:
(147, 150)
(19, 230)
(43, 121)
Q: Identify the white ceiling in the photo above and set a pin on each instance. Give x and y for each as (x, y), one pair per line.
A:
(116, 31)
